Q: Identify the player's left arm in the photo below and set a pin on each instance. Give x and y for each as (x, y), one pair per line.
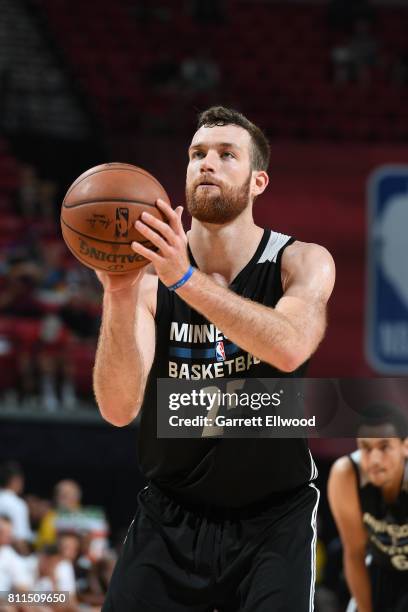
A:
(284, 336)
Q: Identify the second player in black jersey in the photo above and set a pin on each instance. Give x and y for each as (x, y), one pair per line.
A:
(223, 524)
(368, 494)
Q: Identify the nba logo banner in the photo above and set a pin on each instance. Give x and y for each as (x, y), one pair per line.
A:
(220, 351)
(387, 267)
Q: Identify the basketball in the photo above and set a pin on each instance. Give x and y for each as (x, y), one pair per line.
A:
(99, 211)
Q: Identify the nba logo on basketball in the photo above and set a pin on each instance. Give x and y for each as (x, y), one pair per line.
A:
(122, 223)
(219, 351)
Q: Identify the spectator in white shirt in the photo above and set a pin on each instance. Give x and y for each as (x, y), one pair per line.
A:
(11, 504)
(13, 571)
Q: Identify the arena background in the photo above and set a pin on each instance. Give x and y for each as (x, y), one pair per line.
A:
(82, 84)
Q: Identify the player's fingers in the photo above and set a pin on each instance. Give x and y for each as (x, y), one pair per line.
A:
(163, 228)
(169, 212)
(148, 253)
(179, 213)
(153, 236)
(182, 233)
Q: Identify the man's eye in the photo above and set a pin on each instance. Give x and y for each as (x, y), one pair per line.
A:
(227, 154)
(197, 154)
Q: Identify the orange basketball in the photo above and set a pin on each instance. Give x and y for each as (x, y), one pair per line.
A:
(99, 211)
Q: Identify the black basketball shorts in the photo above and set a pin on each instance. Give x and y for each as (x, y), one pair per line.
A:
(389, 589)
(179, 559)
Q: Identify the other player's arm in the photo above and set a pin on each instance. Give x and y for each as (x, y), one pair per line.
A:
(346, 510)
(126, 345)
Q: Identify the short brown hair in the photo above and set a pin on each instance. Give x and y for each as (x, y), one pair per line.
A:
(220, 115)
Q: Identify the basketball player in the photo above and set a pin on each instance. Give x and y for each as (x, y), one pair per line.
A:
(224, 523)
(368, 495)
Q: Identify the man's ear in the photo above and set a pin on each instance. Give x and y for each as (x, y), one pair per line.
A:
(405, 443)
(260, 182)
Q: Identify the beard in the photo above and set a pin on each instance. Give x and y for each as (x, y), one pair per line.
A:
(225, 205)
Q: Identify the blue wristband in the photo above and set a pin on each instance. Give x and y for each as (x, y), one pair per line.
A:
(182, 280)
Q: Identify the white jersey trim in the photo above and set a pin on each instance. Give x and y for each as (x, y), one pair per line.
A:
(273, 246)
(314, 473)
(313, 523)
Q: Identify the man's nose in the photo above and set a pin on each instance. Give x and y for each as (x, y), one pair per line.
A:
(208, 163)
(375, 457)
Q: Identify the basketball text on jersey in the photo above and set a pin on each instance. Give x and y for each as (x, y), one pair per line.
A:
(389, 538)
(212, 345)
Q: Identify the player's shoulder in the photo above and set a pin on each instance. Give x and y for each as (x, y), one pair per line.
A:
(342, 485)
(299, 253)
(310, 265)
(342, 466)
(343, 473)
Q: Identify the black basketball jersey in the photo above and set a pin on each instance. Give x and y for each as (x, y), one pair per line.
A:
(221, 472)
(387, 524)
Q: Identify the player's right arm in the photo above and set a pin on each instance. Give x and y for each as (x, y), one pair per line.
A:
(126, 344)
(346, 510)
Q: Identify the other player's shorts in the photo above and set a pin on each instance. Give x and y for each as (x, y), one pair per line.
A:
(389, 590)
(180, 559)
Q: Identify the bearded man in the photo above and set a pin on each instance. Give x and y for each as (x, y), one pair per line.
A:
(223, 523)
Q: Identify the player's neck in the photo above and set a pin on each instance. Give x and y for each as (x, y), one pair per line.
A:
(391, 490)
(224, 249)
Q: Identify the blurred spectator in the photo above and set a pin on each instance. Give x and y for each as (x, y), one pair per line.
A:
(18, 300)
(13, 571)
(26, 196)
(67, 498)
(92, 577)
(69, 546)
(52, 285)
(200, 73)
(363, 49)
(52, 306)
(29, 290)
(37, 508)
(11, 504)
(47, 207)
(98, 578)
(35, 198)
(79, 315)
(354, 60)
(18, 297)
(70, 517)
(54, 363)
(50, 572)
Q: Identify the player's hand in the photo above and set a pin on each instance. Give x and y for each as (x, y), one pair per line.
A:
(171, 261)
(113, 283)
